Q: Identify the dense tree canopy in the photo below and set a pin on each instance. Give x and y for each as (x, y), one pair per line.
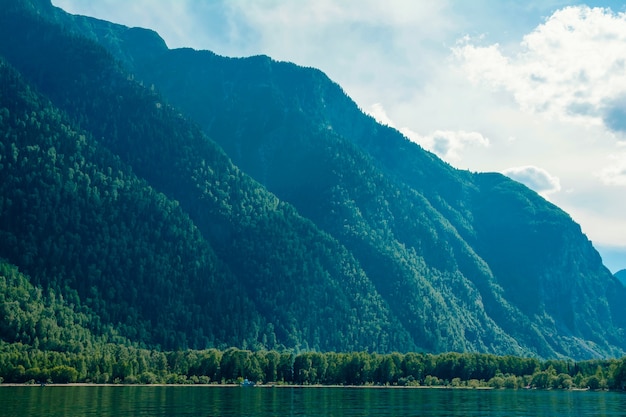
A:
(108, 363)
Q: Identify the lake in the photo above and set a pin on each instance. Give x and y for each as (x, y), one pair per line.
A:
(203, 401)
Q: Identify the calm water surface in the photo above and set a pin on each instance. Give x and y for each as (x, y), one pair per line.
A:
(236, 401)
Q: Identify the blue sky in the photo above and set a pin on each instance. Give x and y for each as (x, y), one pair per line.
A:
(534, 89)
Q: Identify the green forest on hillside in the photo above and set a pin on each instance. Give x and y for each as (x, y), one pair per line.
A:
(46, 339)
(119, 364)
(236, 242)
(176, 216)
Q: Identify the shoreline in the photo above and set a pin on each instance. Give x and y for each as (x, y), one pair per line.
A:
(315, 386)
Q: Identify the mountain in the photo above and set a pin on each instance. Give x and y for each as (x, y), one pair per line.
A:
(621, 276)
(131, 253)
(190, 200)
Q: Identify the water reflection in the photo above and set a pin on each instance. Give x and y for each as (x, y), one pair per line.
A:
(340, 402)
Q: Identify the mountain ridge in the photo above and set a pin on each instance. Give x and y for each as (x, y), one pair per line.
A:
(389, 155)
(236, 206)
(419, 236)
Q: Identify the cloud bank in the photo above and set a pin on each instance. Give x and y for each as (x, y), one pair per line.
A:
(615, 172)
(535, 178)
(572, 67)
(447, 144)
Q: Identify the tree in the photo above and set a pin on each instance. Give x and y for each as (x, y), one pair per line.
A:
(593, 382)
(510, 382)
(63, 374)
(271, 365)
(497, 382)
(619, 375)
(562, 381)
(209, 364)
(284, 372)
(389, 370)
(235, 364)
(544, 379)
(413, 366)
(302, 369)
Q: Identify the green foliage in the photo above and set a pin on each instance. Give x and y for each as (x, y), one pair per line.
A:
(83, 226)
(109, 363)
(132, 226)
(63, 374)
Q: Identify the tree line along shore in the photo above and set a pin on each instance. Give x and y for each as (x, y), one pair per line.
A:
(116, 364)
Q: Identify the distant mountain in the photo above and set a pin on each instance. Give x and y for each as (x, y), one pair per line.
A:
(621, 275)
(191, 200)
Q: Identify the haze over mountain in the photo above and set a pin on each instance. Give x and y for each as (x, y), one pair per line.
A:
(178, 198)
(484, 86)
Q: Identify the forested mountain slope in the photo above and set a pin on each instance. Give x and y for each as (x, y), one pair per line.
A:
(81, 224)
(349, 237)
(221, 253)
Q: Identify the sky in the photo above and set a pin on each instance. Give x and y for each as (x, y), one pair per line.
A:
(533, 89)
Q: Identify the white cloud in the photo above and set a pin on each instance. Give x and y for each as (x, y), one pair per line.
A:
(615, 173)
(447, 144)
(378, 112)
(572, 67)
(535, 178)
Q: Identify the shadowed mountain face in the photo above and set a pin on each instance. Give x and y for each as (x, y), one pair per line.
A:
(208, 201)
